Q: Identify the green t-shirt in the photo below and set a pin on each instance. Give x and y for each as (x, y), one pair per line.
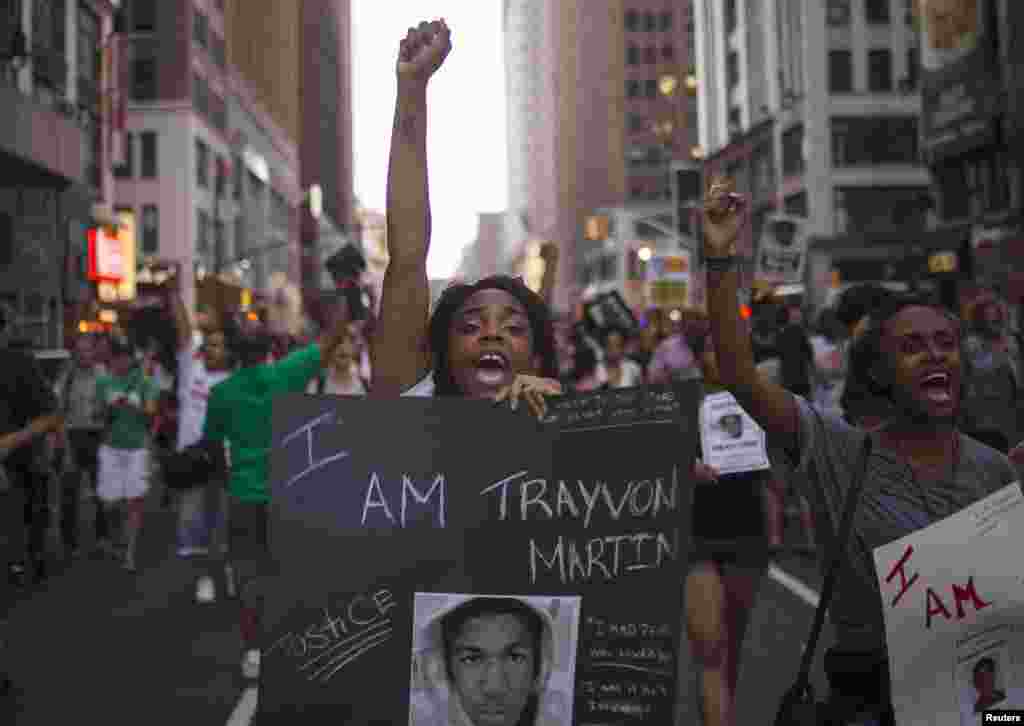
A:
(239, 412)
(129, 425)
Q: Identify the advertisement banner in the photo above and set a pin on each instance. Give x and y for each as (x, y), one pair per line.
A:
(960, 96)
(668, 280)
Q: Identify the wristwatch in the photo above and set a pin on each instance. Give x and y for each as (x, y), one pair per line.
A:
(720, 264)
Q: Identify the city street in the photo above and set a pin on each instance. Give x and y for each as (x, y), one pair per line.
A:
(97, 643)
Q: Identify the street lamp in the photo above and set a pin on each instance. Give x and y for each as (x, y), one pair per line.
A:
(644, 253)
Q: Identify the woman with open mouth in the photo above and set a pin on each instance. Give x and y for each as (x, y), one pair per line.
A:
(921, 469)
(492, 339)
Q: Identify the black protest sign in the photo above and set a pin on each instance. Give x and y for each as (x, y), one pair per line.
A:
(610, 312)
(402, 528)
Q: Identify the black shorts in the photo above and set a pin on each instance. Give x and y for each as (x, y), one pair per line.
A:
(728, 521)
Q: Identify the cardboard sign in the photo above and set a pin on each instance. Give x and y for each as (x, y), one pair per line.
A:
(953, 601)
(730, 440)
(781, 252)
(610, 311)
(391, 520)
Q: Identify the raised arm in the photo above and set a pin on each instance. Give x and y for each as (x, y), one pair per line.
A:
(399, 350)
(774, 408)
(549, 252)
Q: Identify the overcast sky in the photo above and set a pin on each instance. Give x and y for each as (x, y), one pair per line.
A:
(466, 142)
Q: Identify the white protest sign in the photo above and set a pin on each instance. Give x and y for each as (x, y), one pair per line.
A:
(781, 251)
(953, 601)
(730, 439)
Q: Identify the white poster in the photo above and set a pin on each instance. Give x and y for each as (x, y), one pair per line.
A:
(953, 601)
(730, 439)
(781, 252)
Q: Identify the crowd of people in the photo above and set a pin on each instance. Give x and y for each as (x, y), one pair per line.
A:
(937, 392)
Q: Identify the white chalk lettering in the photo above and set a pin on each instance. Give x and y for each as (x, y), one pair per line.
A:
(408, 488)
(503, 486)
(526, 499)
(313, 463)
(375, 499)
(379, 503)
(601, 558)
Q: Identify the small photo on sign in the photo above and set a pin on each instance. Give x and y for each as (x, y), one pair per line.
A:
(730, 440)
(493, 660)
(986, 682)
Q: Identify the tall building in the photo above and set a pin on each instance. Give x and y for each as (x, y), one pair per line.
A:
(597, 110)
(56, 143)
(971, 115)
(325, 140)
(481, 258)
(812, 108)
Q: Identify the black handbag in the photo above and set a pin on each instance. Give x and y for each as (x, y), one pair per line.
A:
(798, 706)
(194, 466)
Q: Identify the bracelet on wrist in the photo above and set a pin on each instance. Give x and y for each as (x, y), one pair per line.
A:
(720, 264)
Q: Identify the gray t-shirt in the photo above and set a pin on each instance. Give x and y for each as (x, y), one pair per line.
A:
(890, 507)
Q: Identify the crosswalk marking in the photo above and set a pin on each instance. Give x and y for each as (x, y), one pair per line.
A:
(245, 710)
(794, 585)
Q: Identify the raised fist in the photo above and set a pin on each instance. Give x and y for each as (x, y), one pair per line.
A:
(423, 51)
(724, 216)
(549, 252)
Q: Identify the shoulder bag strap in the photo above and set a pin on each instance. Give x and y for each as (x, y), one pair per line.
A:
(839, 547)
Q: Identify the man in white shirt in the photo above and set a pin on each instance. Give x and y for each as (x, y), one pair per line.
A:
(200, 368)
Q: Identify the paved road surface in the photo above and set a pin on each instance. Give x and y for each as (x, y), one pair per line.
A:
(98, 645)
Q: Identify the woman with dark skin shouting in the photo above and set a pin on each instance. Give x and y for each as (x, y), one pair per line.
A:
(493, 339)
(921, 467)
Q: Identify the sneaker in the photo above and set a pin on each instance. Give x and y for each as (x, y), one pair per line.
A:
(251, 664)
(206, 590)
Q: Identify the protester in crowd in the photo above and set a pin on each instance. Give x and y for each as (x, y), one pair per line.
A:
(29, 409)
(827, 342)
(490, 339)
(203, 508)
(585, 367)
(992, 404)
(238, 416)
(860, 405)
(728, 561)
(343, 377)
(673, 360)
(922, 468)
(83, 431)
(647, 341)
(616, 370)
(129, 399)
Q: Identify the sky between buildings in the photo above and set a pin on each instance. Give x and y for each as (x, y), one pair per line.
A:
(466, 141)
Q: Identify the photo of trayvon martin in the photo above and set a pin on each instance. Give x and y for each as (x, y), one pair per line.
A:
(483, 660)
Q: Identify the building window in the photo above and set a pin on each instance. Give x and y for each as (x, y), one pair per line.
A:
(665, 21)
(796, 204)
(651, 55)
(49, 44)
(124, 170)
(202, 231)
(217, 50)
(793, 150)
(636, 122)
(149, 155)
(150, 230)
(730, 16)
(218, 238)
(88, 52)
(239, 235)
(650, 24)
(632, 88)
(200, 28)
(763, 172)
(735, 122)
(909, 12)
(667, 52)
(202, 164)
(651, 88)
(143, 14)
(871, 140)
(879, 210)
(237, 170)
(913, 68)
(632, 20)
(143, 70)
(838, 13)
(200, 95)
(733, 69)
(880, 70)
(840, 71)
(877, 11)
(632, 55)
